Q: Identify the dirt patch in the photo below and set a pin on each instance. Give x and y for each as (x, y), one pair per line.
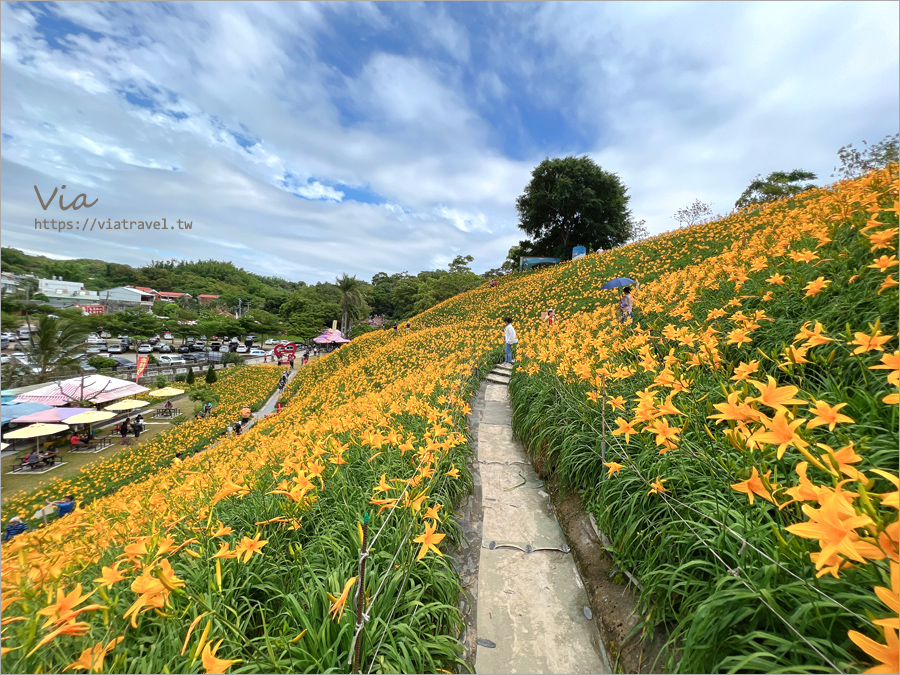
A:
(614, 605)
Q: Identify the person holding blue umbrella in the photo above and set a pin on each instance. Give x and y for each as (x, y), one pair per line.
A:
(626, 302)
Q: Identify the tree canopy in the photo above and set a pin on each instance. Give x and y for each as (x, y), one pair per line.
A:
(776, 185)
(573, 202)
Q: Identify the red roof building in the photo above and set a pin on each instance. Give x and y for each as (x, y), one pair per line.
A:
(205, 298)
(169, 295)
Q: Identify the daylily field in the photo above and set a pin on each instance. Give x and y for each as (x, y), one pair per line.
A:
(748, 478)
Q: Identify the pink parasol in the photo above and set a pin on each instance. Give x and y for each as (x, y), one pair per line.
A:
(52, 416)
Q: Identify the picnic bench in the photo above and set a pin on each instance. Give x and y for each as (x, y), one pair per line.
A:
(167, 412)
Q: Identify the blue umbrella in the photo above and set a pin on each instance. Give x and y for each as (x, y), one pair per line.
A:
(616, 283)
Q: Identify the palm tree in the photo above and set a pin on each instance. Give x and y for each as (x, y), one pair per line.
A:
(353, 297)
(55, 346)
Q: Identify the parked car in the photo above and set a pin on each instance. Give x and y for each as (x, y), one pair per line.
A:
(203, 337)
(122, 362)
(184, 349)
(93, 349)
(171, 360)
(241, 349)
(103, 345)
(116, 349)
(257, 352)
(105, 335)
(86, 367)
(167, 336)
(271, 341)
(93, 339)
(145, 349)
(162, 348)
(190, 358)
(5, 358)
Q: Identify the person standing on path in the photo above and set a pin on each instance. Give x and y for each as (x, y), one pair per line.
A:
(245, 415)
(509, 339)
(123, 429)
(408, 326)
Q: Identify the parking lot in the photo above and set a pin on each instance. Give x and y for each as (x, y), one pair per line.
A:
(19, 345)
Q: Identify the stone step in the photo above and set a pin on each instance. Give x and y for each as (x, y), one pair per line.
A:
(497, 379)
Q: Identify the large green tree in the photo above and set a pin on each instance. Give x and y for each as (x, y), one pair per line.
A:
(573, 202)
(776, 185)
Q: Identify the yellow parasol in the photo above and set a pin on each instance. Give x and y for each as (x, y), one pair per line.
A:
(90, 417)
(165, 392)
(127, 404)
(35, 431)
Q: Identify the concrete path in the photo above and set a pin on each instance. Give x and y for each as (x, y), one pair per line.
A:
(532, 609)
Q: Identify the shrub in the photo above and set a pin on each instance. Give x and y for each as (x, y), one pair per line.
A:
(190, 375)
(211, 375)
(161, 381)
(181, 377)
(101, 362)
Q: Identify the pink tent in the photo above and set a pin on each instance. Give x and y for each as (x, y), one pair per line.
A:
(93, 388)
(330, 336)
(52, 416)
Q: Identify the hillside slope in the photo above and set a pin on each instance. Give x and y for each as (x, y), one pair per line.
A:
(256, 543)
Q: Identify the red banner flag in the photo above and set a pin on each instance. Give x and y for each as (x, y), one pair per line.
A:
(141, 366)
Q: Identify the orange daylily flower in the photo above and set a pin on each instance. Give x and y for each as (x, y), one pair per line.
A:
(816, 287)
(624, 427)
(754, 485)
(247, 547)
(834, 525)
(109, 576)
(337, 606)
(885, 654)
(825, 414)
(657, 486)
(743, 371)
(780, 432)
(776, 397)
(432, 512)
(614, 467)
(73, 628)
(210, 663)
(666, 436)
(64, 607)
(868, 343)
(883, 263)
(890, 362)
(429, 540)
(92, 659)
(453, 472)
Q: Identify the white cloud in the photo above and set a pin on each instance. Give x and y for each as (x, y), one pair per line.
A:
(439, 119)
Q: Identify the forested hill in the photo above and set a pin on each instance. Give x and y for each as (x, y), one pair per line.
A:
(203, 276)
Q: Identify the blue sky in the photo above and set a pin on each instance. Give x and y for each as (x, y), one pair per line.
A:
(305, 140)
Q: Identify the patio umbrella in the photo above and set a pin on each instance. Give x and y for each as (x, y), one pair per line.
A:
(35, 431)
(616, 283)
(90, 417)
(127, 404)
(12, 409)
(4, 446)
(166, 392)
(52, 416)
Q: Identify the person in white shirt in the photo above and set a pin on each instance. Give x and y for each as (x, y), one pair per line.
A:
(509, 338)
